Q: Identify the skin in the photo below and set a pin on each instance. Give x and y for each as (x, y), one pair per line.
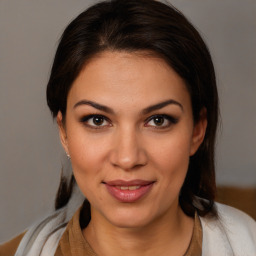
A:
(129, 144)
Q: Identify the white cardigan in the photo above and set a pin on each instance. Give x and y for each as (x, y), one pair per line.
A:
(232, 234)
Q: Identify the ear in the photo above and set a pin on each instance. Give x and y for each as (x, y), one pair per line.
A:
(199, 132)
(62, 132)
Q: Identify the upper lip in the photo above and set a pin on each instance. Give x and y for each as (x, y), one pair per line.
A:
(128, 182)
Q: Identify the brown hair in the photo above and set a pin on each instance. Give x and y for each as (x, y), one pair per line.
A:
(151, 26)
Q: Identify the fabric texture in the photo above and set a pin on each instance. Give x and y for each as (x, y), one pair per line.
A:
(43, 238)
(232, 234)
(72, 241)
(9, 248)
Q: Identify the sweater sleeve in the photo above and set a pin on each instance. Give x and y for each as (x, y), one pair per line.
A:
(9, 248)
(232, 233)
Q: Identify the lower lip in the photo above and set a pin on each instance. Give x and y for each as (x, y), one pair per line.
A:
(128, 196)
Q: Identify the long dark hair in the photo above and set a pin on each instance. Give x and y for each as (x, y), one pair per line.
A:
(153, 27)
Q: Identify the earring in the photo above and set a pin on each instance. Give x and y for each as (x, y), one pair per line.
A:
(68, 156)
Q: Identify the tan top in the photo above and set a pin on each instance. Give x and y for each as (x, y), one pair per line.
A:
(73, 243)
(9, 248)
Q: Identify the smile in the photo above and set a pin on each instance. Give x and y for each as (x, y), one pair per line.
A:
(128, 191)
(128, 188)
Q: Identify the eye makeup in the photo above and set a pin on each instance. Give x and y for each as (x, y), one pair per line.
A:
(95, 121)
(161, 121)
(157, 121)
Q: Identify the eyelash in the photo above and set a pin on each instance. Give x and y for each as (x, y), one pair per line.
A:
(170, 119)
(85, 120)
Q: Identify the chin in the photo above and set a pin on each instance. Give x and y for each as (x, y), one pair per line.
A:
(130, 218)
(129, 223)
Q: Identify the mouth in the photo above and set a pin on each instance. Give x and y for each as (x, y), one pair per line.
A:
(128, 187)
(128, 191)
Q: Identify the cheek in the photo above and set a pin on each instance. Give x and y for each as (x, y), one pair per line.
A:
(86, 165)
(88, 156)
(171, 159)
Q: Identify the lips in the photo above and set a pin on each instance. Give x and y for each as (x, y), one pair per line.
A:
(128, 191)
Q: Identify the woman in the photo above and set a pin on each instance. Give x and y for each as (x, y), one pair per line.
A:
(134, 94)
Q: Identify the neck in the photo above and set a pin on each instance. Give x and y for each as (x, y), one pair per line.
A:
(170, 234)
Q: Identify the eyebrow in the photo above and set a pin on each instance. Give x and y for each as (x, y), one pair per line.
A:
(95, 105)
(144, 111)
(161, 105)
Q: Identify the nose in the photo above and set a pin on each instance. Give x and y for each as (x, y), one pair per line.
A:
(128, 150)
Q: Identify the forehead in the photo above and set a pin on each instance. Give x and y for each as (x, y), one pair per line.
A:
(121, 78)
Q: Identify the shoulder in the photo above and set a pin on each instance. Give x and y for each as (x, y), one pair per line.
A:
(235, 217)
(237, 223)
(9, 248)
(232, 231)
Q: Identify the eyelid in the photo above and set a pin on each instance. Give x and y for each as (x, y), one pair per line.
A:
(86, 118)
(172, 120)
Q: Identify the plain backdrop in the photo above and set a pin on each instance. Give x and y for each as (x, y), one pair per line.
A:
(30, 153)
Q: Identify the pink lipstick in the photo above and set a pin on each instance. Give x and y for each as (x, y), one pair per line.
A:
(128, 191)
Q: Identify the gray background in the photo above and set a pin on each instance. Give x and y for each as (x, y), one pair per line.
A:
(30, 152)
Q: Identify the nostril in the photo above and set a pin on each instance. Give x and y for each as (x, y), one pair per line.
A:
(131, 164)
(127, 152)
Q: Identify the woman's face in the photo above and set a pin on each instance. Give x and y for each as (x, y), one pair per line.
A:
(129, 132)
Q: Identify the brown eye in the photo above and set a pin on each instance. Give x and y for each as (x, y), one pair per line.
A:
(161, 121)
(98, 120)
(95, 121)
(158, 121)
